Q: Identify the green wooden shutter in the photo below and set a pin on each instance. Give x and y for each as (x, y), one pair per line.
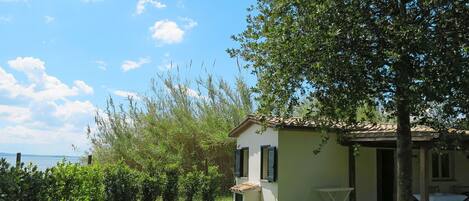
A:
(238, 166)
(272, 164)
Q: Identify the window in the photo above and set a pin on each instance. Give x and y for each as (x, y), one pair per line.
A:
(245, 162)
(269, 163)
(264, 161)
(242, 162)
(238, 197)
(442, 166)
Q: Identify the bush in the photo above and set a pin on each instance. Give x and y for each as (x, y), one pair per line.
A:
(31, 183)
(170, 191)
(121, 183)
(190, 183)
(210, 184)
(151, 186)
(118, 182)
(68, 181)
(92, 183)
(20, 183)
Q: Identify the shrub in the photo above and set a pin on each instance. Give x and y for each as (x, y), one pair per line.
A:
(121, 183)
(190, 183)
(170, 191)
(68, 181)
(31, 183)
(151, 186)
(210, 183)
(63, 182)
(92, 183)
(20, 183)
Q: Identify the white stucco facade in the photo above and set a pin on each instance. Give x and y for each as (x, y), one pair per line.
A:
(253, 141)
(301, 173)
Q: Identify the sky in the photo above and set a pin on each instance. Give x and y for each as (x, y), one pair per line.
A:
(61, 59)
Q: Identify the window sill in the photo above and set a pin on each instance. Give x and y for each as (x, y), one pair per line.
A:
(267, 181)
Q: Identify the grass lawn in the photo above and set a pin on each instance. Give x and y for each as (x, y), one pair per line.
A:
(222, 198)
(225, 198)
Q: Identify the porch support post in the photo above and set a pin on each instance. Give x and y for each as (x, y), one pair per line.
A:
(351, 173)
(424, 173)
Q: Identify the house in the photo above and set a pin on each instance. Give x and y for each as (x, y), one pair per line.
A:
(276, 162)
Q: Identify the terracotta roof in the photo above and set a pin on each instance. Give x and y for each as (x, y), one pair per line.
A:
(389, 132)
(243, 187)
(273, 122)
(360, 131)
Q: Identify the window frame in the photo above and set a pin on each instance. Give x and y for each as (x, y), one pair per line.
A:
(451, 166)
(266, 157)
(245, 159)
(238, 196)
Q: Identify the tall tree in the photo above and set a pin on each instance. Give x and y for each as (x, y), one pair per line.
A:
(404, 56)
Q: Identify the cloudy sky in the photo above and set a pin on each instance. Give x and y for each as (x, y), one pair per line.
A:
(59, 60)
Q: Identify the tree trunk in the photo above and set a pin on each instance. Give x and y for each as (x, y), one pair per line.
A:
(404, 138)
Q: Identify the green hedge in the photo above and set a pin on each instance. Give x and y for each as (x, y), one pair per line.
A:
(118, 182)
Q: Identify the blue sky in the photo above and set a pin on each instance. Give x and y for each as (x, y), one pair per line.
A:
(60, 60)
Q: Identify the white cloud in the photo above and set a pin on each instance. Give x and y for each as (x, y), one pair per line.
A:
(82, 86)
(10, 87)
(166, 32)
(72, 108)
(26, 64)
(101, 64)
(189, 23)
(48, 19)
(126, 94)
(131, 65)
(142, 3)
(14, 113)
(42, 87)
(42, 110)
(31, 135)
(190, 92)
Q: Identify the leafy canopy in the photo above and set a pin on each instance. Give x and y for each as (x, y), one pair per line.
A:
(342, 55)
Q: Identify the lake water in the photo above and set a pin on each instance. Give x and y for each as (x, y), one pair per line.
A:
(42, 161)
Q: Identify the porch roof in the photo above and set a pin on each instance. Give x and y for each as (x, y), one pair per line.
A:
(244, 187)
(364, 132)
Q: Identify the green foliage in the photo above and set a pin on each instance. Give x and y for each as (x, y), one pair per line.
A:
(403, 57)
(190, 184)
(68, 181)
(151, 186)
(20, 183)
(178, 121)
(170, 191)
(210, 184)
(344, 55)
(121, 183)
(116, 182)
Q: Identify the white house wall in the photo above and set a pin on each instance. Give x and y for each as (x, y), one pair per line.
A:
(301, 172)
(366, 174)
(461, 173)
(252, 140)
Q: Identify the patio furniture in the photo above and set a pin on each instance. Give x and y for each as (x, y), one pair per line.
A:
(444, 197)
(333, 192)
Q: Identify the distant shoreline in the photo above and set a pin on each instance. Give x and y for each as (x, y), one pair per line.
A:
(39, 155)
